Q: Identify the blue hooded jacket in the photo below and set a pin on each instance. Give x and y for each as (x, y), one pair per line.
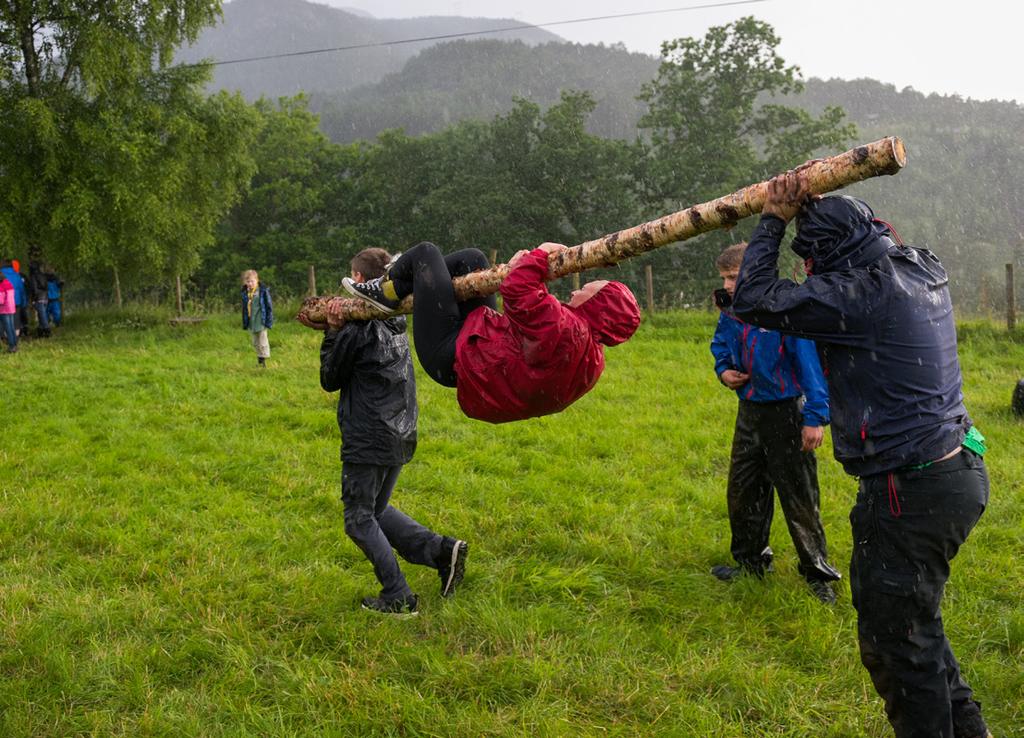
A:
(19, 285)
(882, 318)
(780, 367)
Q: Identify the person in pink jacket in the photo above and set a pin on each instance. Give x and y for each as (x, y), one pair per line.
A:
(7, 310)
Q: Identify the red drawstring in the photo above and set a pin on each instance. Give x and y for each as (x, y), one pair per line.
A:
(896, 236)
(896, 510)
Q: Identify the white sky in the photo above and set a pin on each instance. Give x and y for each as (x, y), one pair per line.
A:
(972, 49)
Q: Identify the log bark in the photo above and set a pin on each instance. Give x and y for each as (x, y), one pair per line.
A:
(885, 156)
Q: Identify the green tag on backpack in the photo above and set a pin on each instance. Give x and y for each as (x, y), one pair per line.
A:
(975, 441)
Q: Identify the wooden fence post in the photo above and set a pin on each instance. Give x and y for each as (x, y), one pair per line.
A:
(177, 288)
(649, 273)
(312, 281)
(1011, 307)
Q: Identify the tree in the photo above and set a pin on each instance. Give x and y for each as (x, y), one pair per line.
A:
(713, 125)
(300, 209)
(109, 157)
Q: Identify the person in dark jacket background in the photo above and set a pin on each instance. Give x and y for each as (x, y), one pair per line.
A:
(536, 358)
(39, 296)
(257, 314)
(882, 318)
(774, 439)
(369, 362)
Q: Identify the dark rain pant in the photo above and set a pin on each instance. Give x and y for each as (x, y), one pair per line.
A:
(907, 527)
(377, 527)
(437, 316)
(765, 454)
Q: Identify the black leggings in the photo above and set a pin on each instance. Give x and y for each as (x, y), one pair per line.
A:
(437, 316)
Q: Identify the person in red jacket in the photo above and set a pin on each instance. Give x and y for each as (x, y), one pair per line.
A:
(536, 358)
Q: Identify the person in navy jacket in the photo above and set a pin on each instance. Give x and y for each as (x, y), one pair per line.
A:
(881, 315)
(783, 409)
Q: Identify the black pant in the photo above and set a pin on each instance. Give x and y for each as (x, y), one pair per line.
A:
(907, 526)
(377, 527)
(765, 454)
(437, 316)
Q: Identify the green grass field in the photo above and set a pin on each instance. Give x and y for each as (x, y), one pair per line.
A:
(174, 561)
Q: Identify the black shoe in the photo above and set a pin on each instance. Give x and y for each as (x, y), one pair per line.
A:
(728, 573)
(452, 565)
(379, 292)
(261, 361)
(823, 591)
(403, 607)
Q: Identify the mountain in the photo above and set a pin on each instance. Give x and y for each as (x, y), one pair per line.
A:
(479, 79)
(253, 28)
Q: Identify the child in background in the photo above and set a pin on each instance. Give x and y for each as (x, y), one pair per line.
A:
(8, 306)
(774, 440)
(370, 363)
(257, 314)
(55, 298)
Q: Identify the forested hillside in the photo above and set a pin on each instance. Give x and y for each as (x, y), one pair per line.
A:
(478, 79)
(265, 27)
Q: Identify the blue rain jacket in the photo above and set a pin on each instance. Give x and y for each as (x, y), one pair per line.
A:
(19, 285)
(780, 367)
(882, 319)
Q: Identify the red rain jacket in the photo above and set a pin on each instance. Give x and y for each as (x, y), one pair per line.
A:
(537, 358)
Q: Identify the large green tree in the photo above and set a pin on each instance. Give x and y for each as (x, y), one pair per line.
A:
(111, 160)
(716, 122)
(299, 212)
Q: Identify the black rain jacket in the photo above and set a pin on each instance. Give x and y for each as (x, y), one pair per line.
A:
(882, 319)
(370, 363)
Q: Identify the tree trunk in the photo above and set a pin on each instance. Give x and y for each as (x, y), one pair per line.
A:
(117, 290)
(885, 156)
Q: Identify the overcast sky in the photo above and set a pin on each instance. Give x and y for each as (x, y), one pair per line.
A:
(968, 48)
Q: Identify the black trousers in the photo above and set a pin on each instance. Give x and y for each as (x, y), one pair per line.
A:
(437, 316)
(907, 527)
(765, 455)
(377, 527)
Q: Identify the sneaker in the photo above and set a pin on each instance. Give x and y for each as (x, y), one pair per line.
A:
(379, 292)
(452, 566)
(823, 591)
(403, 607)
(261, 361)
(728, 573)
(725, 572)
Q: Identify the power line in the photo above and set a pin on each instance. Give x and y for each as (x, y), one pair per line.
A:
(447, 36)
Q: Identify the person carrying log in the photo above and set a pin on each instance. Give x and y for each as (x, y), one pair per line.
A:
(536, 358)
(881, 315)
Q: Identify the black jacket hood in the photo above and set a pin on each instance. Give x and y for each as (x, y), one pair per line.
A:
(840, 232)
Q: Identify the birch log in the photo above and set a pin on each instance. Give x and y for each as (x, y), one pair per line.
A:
(885, 156)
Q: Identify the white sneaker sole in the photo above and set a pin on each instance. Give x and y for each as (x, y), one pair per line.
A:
(455, 572)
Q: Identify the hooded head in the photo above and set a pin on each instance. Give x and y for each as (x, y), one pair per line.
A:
(839, 232)
(611, 312)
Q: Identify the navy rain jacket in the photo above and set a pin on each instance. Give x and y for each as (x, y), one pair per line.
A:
(369, 361)
(882, 319)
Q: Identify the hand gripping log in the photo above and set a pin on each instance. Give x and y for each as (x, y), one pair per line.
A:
(885, 156)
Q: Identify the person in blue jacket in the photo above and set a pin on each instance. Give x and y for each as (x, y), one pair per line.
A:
(783, 409)
(21, 299)
(257, 314)
(881, 315)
